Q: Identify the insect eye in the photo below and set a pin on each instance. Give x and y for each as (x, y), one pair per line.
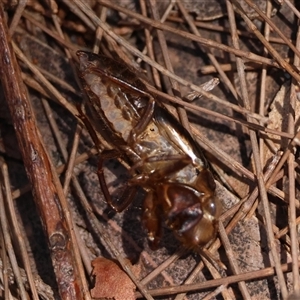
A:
(212, 209)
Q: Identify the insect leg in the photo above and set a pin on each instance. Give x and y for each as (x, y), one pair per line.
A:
(152, 220)
(178, 162)
(128, 194)
(89, 127)
(144, 120)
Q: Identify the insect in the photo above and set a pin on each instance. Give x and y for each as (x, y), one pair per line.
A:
(165, 161)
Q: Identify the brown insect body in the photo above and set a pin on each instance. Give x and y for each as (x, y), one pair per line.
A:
(165, 160)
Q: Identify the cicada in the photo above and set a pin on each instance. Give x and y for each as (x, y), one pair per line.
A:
(164, 159)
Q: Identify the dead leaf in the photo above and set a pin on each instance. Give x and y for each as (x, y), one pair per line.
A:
(111, 281)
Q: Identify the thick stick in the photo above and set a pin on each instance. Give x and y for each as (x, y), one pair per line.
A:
(46, 188)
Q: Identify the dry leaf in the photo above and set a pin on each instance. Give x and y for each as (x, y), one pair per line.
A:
(111, 281)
